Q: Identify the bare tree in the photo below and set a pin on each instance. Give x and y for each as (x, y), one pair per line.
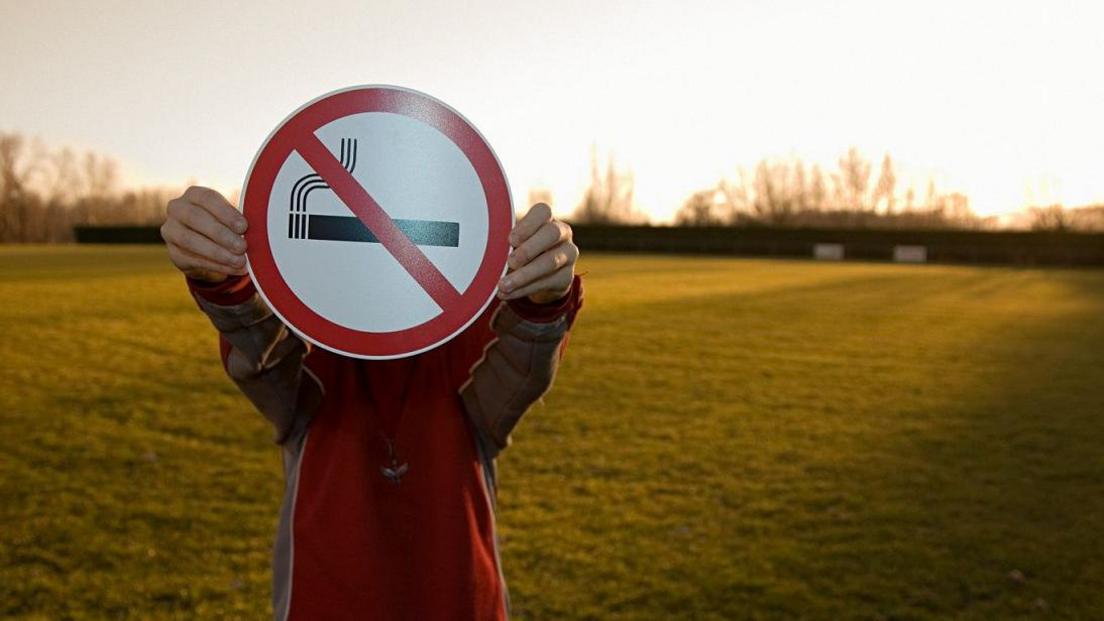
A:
(735, 197)
(854, 180)
(818, 191)
(1050, 218)
(1089, 218)
(99, 176)
(65, 182)
(956, 207)
(609, 199)
(701, 209)
(779, 191)
(18, 168)
(884, 192)
(933, 202)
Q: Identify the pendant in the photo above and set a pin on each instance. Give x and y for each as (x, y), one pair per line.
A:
(395, 471)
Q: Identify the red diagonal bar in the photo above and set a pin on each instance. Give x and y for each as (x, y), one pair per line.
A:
(368, 211)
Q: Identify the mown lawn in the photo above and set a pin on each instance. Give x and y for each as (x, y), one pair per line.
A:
(728, 439)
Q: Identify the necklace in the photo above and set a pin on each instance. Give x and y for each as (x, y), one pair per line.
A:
(394, 469)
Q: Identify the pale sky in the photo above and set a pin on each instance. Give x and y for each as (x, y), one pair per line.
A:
(1000, 100)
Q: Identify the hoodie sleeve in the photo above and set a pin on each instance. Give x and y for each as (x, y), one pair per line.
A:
(516, 363)
(260, 354)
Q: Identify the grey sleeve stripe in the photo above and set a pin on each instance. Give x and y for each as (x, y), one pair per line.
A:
(266, 363)
(491, 483)
(516, 369)
(283, 558)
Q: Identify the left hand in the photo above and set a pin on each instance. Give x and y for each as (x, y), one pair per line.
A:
(542, 265)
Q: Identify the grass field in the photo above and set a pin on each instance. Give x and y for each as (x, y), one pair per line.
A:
(728, 439)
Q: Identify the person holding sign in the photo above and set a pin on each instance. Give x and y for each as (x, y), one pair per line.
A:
(389, 510)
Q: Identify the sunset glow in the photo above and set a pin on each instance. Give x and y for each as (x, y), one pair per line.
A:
(999, 100)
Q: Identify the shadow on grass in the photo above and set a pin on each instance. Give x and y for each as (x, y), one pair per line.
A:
(998, 498)
(900, 446)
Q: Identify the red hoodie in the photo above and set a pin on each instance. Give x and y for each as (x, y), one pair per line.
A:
(352, 543)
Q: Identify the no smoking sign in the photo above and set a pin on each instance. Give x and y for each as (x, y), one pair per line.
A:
(378, 222)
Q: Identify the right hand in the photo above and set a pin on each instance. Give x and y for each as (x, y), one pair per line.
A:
(203, 232)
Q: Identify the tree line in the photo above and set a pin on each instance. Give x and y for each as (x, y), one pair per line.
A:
(787, 192)
(45, 192)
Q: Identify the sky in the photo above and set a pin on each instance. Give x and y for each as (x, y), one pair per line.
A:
(999, 100)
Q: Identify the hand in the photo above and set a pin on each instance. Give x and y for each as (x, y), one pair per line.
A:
(204, 235)
(542, 264)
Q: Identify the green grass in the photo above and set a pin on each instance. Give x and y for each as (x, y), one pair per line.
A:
(728, 439)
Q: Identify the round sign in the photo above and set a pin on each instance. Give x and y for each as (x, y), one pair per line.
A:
(378, 222)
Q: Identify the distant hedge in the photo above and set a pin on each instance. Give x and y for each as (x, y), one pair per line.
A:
(998, 247)
(117, 235)
(1001, 247)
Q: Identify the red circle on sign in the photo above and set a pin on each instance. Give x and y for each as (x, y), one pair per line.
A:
(290, 136)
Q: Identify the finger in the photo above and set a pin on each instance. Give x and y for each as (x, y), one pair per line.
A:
(538, 215)
(547, 263)
(188, 261)
(201, 221)
(217, 205)
(187, 239)
(547, 236)
(558, 281)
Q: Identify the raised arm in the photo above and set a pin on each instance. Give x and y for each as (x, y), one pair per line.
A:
(203, 234)
(518, 364)
(261, 355)
(527, 332)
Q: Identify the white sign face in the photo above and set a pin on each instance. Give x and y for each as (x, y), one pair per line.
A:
(378, 222)
(416, 174)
